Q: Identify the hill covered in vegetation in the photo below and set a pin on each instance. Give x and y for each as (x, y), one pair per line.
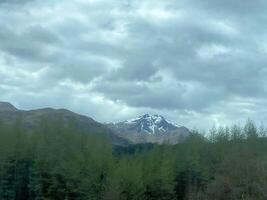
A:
(30, 119)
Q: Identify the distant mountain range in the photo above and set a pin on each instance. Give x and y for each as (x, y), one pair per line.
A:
(9, 114)
(150, 129)
(143, 129)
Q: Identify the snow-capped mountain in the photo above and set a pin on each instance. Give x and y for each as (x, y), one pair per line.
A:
(151, 124)
(150, 128)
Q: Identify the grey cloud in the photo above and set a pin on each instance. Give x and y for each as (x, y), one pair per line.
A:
(79, 69)
(167, 56)
(135, 69)
(14, 1)
(31, 45)
(121, 89)
(38, 33)
(159, 95)
(100, 48)
(233, 7)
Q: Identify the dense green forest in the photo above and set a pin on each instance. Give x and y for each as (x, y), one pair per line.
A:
(57, 161)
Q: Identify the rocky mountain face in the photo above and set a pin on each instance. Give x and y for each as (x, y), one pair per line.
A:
(9, 114)
(150, 129)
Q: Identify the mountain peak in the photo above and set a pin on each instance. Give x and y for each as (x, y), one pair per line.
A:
(151, 124)
(147, 117)
(150, 128)
(155, 118)
(5, 106)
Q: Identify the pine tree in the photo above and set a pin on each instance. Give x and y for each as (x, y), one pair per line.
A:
(250, 129)
(213, 133)
(236, 132)
(262, 131)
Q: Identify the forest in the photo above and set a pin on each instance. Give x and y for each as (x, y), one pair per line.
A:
(59, 162)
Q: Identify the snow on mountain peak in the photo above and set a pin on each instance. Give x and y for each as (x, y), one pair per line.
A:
(151, 124)
(150, 129)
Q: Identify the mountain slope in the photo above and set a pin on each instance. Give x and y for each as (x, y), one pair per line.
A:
(9, 114)
(5, 107)
(150, 128)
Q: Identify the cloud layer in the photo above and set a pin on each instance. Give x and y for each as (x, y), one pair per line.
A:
(196, 62)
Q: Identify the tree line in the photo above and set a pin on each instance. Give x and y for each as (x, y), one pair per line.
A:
(58, 161)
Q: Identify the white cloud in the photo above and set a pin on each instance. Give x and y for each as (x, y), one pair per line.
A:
(210, 51)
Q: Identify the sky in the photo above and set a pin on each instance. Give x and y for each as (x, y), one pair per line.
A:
(197, 63)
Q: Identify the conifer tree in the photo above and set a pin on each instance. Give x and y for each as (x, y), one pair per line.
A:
(250, 129)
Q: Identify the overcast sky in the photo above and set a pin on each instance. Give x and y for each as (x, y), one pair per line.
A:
(197, 63)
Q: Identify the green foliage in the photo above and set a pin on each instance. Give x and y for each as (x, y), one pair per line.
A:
(236, 133)
(250, 129)
(60, 161)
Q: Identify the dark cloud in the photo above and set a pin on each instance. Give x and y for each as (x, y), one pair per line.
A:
(14, 1)
(198, 62)
(31, 44)
(39, 34)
